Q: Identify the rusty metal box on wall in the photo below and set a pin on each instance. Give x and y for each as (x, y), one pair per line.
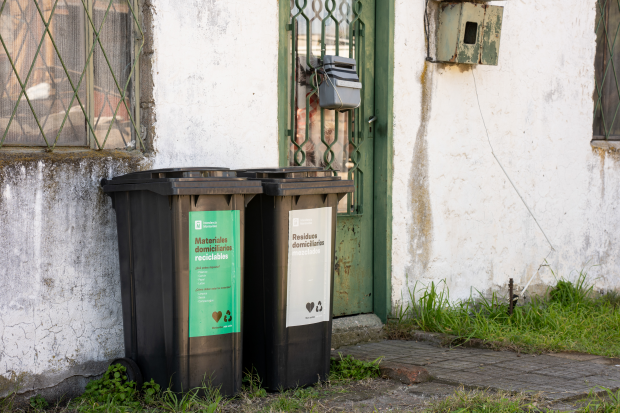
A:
(469, 33)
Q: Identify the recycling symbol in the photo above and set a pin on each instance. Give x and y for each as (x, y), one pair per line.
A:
(228, 317)
(319, 307)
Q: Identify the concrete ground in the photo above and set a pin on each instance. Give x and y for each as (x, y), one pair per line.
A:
(557, 379)
(422, 373)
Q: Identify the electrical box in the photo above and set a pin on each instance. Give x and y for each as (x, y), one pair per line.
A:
(469, 33)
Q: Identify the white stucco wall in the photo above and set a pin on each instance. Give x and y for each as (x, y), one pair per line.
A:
(459, 219)
(215, 99)
(60, 313)
(215, 76)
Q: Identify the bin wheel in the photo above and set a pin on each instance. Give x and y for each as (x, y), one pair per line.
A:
(132, 370)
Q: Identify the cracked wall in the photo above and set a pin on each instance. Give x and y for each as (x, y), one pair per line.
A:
(60, 297)
(537, 104)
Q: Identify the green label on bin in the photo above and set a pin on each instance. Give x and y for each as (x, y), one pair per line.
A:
(214, 265)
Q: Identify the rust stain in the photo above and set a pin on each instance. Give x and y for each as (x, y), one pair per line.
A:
(604, 153)
(421, 229)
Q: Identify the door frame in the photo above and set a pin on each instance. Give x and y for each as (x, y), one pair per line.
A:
(383, 140)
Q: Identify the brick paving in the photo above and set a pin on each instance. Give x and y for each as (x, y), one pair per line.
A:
(557, 377)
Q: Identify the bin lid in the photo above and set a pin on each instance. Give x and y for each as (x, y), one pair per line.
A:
(298, 180)
(289, 173)
(183, 181)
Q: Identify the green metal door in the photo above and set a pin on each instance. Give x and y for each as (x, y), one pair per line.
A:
(340, 141)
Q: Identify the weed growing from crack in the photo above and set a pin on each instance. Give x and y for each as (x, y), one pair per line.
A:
(348, 368)
(111, 389)
(252, 385)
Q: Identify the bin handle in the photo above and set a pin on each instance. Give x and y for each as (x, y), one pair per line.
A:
(248, 198)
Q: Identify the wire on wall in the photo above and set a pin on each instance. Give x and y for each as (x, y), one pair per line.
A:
(544, 262)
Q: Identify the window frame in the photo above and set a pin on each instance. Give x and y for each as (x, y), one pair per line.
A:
(135, 44)
(601, 69)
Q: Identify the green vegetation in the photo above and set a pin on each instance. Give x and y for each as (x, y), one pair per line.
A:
(608, 403)
(483, 402)
(113, 393)
(478, 401)
(252, 385)
(301, 399)
(348, 368)
(570, 317)
(112, 389)
(342, 370)
(38, 403)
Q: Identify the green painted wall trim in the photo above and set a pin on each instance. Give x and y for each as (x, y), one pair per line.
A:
(384, 157)
(284, 12)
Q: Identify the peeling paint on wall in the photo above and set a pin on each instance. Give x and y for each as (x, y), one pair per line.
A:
(59, 296)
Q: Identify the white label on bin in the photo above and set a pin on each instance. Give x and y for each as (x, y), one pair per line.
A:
(309, 266)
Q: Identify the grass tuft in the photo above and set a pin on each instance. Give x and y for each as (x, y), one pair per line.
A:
(293, 400)
(609, 403)
(38, 403)
(569, 318)
(348, 368)
(478, 401)
(612, 298)
(252, 385)
(568, 294)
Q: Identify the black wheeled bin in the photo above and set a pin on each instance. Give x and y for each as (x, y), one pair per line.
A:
(290, 238)
(180, 241)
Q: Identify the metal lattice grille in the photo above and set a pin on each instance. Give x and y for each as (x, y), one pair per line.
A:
(607, 68)
(319, 137)
(68, 73)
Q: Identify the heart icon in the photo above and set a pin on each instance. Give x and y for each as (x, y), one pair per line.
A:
(216, 316)
(310, 306)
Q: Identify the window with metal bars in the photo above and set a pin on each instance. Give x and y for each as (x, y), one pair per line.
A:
(607, 71)
(69, 73)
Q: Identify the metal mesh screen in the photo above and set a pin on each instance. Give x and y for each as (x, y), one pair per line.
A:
(66, 73)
